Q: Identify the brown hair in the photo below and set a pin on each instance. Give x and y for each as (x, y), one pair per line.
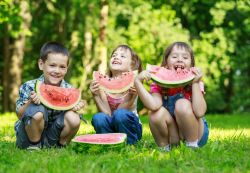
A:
(136, 61)
(52, 47)
(179, 45)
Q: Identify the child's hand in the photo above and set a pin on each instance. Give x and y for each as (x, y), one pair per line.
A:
(34, 98)
(198, 74)
(95, 87)
(144, 75)
(79, 106)
(132, 90)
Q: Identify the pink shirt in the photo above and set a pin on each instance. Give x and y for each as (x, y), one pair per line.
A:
(154, 88)
(115, 102)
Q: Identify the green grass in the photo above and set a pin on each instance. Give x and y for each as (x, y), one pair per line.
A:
(228, 150)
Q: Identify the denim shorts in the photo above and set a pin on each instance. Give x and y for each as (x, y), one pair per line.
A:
(53, 125)
(169, 104)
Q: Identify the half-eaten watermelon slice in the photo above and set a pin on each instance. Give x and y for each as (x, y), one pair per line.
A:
(115, 85)
(57, 98)
(99, 142)
(170, 78)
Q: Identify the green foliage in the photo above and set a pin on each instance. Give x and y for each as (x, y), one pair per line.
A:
(9, 11)
(148, 37)
(218, 31)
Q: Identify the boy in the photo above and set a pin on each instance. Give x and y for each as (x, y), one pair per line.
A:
(39, 126)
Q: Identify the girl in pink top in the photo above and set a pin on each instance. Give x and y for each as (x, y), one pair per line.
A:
(118, 111)
(176, 113)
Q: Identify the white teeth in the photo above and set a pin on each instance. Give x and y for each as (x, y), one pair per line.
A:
(179, 67)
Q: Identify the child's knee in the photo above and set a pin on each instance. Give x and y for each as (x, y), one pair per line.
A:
(121, 116)
(183, 107)
(38, 117)
(157, 116)
(99, 120)
(72, 119)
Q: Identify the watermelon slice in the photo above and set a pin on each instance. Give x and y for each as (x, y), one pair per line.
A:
(115, 85)
(57, 98)
(99, 142)
(170, 78)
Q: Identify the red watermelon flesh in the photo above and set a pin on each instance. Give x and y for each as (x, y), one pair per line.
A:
(57, 98)
(115, 85)
(101, 139)
(170, 78)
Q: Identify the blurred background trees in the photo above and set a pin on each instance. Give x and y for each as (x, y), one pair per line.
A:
(218, 31)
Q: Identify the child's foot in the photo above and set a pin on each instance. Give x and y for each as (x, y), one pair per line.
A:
(193, 148)
(34, 147)
(192, 145)
(166, 148)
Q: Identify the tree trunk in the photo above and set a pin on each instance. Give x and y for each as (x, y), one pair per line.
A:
(16, 59)
(6, 57)
(102, 37)
(87, 60)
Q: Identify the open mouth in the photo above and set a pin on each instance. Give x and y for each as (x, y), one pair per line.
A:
(116, 62)
(179, 67)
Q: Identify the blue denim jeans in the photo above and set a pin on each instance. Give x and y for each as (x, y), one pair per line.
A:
(121, 121)
(169, 104)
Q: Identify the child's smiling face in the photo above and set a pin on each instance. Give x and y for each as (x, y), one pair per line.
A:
(179, 58)
(121, 60)
(54, 68)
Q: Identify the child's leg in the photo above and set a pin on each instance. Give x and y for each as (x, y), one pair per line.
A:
(187, 122)
(30, 128)
(102, 123)
(163, 127)
(62, 129)
(35, 128)
(125, 121)
(203, 132)
(71, 126)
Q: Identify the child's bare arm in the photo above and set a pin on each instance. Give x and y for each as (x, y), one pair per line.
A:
(198, 102)
(33, 99)
(102, 104)
(130, 102)
(100, 98)
(152, 102)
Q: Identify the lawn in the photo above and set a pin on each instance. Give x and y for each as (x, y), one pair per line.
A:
(228, 150)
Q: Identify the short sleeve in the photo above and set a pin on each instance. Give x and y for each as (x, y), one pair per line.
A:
(24, 93)
(154, 88)
(202, 87)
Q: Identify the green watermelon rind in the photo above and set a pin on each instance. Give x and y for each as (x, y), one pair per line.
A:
(172, 84)
(116, 91)
(45, 103)
(98, 147)
(168, 83)
(94, 148)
